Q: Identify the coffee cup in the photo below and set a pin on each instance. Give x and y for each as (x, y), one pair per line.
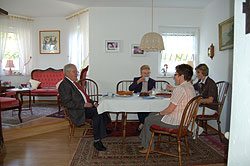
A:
(146, 79)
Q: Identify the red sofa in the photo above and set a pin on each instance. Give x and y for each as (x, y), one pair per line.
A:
(48, 78)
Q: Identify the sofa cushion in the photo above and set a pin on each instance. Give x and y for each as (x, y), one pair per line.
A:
(34, 83)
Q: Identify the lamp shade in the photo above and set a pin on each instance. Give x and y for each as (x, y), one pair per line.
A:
(9, 63)
(152, 41)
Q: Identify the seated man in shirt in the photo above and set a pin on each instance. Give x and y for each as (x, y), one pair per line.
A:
(171, 116)
(80, 106)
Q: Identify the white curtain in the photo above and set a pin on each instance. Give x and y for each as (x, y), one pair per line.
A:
(181, 41)
(24, 38)
(79, 41)
(3, 38)
(23, 29)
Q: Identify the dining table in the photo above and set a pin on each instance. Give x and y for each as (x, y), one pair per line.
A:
(131, 104)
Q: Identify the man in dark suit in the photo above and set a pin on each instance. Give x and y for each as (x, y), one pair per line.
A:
(80, 106)
(142, 84)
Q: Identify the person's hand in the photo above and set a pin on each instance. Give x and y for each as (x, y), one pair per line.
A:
(96, 105)
(141, 80)
(150, 91)
(170, 87)
(88, 105)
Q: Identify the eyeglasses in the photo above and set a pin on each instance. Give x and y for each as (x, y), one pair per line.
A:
(146, 72)
(176, 74)
(74, 71)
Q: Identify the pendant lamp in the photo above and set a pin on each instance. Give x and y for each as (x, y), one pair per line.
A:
(152, 41)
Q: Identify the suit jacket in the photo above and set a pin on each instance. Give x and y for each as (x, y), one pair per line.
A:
(137, 87)
(72, 99)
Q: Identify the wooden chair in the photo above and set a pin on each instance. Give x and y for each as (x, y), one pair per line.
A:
(87, 126)
(188, 117)
(11, 101)
(122, 85)
(202, 119)
(91, 88)
(161, 84)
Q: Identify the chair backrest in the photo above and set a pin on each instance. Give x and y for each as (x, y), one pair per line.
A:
(189, 115)
(123, 85)
(91, 88)
(222, 93)
(161, 84)
(83, 73)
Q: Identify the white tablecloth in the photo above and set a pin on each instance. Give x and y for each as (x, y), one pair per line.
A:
(132, 103)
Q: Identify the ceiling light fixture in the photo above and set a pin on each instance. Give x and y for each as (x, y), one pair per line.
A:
(152, 41)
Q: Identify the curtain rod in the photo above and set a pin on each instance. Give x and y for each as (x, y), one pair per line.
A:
(77, 14)
(19, 17)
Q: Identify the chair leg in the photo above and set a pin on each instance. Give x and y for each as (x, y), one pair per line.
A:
(70, 131)
(197, 130)
(179, 150)
(58, 105)
(150, 144)
(186, 143)
(219, 130)
(205, 124)
(159, 141)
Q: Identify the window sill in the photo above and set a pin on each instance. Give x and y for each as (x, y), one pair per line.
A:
(12, 75)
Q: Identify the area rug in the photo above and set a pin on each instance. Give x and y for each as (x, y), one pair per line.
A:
(200, 153)
(214, 142)
(38, 110)
(58, 114)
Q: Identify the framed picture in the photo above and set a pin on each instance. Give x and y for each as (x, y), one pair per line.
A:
(226, 34)
(136, 51)
(49, 42)
(112, 46)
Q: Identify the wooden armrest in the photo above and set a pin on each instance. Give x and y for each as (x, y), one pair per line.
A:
(204, 106)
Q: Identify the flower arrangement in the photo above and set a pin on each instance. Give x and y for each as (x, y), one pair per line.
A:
(164, 69)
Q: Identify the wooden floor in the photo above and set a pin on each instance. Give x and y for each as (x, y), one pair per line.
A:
(49, 149)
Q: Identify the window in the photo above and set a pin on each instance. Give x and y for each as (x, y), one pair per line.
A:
(11, 52)
(181, 46)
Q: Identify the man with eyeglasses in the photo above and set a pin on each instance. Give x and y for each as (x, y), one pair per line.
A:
(142, 84)
(80, 106)
(171, 116)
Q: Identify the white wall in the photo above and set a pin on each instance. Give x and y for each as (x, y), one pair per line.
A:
(220, 68)
(128, 25)
(240, 116)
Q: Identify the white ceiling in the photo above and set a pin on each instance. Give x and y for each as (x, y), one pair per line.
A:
(63, 8)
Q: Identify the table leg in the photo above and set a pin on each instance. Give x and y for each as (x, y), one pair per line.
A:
(124, 123)
(30, 102)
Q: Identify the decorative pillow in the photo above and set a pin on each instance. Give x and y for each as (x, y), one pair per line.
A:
(34, 83)
(57, 84)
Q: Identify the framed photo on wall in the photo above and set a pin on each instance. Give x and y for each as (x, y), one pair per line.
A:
(136, 51)
(112, 46)
(49, 42)
(226, 34)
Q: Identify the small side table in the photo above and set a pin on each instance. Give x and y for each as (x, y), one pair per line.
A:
(5, 88)
(20, 91)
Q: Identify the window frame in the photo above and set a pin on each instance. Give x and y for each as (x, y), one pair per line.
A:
(181, 30)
